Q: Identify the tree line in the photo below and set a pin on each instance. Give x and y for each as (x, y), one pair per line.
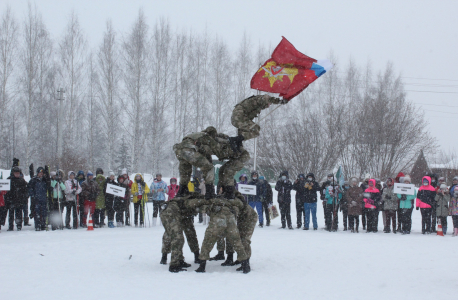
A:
(141, 90)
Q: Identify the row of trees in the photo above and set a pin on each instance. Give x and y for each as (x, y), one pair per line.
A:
(140, 91)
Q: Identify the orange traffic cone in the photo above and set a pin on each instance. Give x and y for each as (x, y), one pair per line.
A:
(439, 229)
(90, 225)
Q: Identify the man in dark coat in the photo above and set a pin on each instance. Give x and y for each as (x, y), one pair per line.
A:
(38, 189)
(298, 186)
(16, 198)
(311, 187)
(284, 187)
(266, 198)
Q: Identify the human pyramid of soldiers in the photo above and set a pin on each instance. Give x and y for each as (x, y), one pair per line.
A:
(232, 220)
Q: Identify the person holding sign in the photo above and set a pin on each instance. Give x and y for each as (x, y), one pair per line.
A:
(406, 206)
(109, 200)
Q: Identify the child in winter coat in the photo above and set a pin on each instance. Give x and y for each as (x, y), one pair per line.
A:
(372, 202)
(406, 207)
(425, 200)
(172, 188)
(390, 205)
(442, 200)
(140, 191)
(354, 201)
(120, 202)
(332, 194)
(72, 191)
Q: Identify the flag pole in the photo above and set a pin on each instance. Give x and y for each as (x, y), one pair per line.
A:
(265, 116)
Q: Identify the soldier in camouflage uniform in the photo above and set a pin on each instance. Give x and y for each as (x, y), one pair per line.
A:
(196, 150)
(222, 223)
(188, 211)
(243, 115)
(246, 223)
(172, 217)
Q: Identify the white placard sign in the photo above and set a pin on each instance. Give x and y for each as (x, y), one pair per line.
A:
(5, 184)
(247, 189)
(115, 190)
(404, 189)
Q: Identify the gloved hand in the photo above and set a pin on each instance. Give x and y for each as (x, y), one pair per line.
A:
(283, 101)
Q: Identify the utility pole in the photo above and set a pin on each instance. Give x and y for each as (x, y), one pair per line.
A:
(60, 98)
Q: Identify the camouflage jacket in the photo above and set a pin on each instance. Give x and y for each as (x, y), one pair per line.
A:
(253, 105)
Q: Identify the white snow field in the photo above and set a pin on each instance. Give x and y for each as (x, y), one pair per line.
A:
(286, 264)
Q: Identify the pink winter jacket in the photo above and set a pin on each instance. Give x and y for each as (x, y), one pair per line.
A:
(370, 203)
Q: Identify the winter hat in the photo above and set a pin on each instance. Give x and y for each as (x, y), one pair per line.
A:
(40, 169)
(367, 176)
(111, 173)
(455, 178)
(89, 173)
(53, 174)
(70, 173)
(99, 171)
(441, 179)
(124, 172)
(16, 169)
(159, 174)
(407, 177)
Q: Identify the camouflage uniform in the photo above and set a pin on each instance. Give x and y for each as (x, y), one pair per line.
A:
(245, 111)
(235, 162)
(222, 223)
(195, 150)
(246, 223)
(175, 218)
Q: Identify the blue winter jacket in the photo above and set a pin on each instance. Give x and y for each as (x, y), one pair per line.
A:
(330, 198)
(38, 189)
(159, 185)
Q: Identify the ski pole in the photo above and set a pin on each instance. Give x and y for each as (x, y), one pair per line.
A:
(147, 212)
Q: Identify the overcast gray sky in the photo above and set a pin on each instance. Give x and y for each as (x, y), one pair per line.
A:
(419, 37)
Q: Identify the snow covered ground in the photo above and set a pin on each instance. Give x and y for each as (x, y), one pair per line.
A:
(286, 264)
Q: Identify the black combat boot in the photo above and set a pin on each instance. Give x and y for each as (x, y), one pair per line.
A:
(201, 268)
(209, 191)
(196, 258)
(229, 192)
(164, 259)
(184, 264)
(236, 263)
(176, 269)
(246, 266)
(183, 191)
(229, 261)
(219, 256)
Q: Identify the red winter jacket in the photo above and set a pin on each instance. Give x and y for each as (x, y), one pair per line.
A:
(426, 194)
(173, 189)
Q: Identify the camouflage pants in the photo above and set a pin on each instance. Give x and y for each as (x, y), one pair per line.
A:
(222, 225)
(246, 228)
(174, 233)
(229, 169)
(244, 125)
(189, 157)
(191, 237)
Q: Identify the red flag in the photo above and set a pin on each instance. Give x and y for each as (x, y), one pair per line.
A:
(285, 53)
(288, 72)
